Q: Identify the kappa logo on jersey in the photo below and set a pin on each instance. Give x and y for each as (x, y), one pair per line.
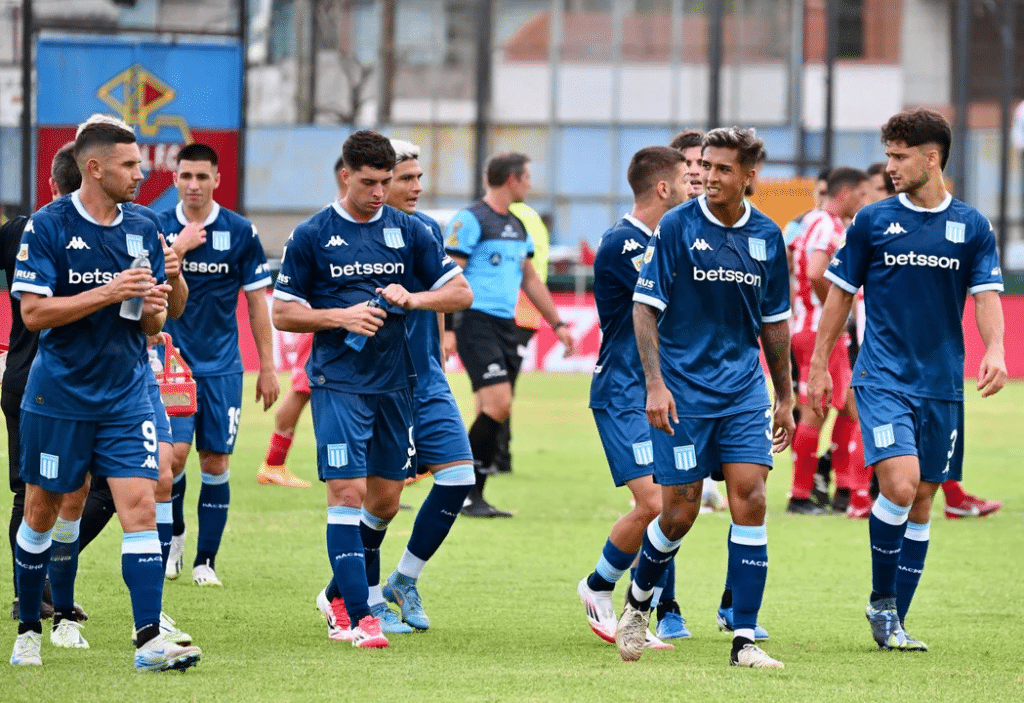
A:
(701, 245)
(884, 436)
(337, 455)
(23, 250)
(393, 237)
(171, 237)
(643, 453)
(685, 457)
(956, 232)
(758, 251)
(336, 241)
(221, 240)
(49, 465)
(134, 244)
(895, 228)
(29, 227)
(77, 243)
(631, 245)
(150, 463)
(638, 262)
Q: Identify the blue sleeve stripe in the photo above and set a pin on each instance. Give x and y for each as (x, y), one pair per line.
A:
(19, 287)
(649, 300)
(288, 297)
(848, 287)
(785, 315)
(256, 285)
(447, 276)
(983, 287)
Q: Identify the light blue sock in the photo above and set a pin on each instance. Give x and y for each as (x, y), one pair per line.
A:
(655, 555)
(610, 567)
(142, 569)
(911, 565)
(63, 566)
(886, 526)
(748, 569)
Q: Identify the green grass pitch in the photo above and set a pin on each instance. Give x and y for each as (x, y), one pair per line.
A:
(506, 621)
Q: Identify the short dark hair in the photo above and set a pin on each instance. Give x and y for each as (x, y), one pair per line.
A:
(501, 166)
(102, 132)
(687, 139)
(650, 165)
(198, 152)
(917, 127)
(339, 164)
(878, 168)
(843, 176)
(823, 174)
(368, 148)
(64, 170)
(747, 144)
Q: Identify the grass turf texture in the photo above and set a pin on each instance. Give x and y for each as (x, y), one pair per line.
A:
(501, 594)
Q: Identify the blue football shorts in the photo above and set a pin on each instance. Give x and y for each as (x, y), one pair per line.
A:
(218, 412)
(701, 445)
(56, 454)
(359, 435)
(161, 418)
(895, 424)
(440, 434)
(626, 437)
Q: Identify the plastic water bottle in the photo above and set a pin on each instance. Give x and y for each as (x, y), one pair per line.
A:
(131, 308)
(354, 339)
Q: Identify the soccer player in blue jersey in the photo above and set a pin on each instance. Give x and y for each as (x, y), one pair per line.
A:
(495, 249)
(351, 252)
(713, 282)
(658, 176)
(920, 251)
(221, 255)
(86, 408)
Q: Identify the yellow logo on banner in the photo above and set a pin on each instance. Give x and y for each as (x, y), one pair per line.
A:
(143, 94)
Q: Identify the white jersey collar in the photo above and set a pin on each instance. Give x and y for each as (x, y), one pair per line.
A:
(77, 201)
(703, 201)
(638, 224)
(905, 201)
(179, 212)
(344, 213)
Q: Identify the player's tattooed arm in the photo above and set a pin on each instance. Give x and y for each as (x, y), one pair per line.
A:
(661, 406)
(775, 342)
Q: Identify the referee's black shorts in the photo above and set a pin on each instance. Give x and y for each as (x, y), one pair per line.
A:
(488, 347)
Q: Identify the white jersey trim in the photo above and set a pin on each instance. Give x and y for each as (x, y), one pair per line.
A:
(446, 276)
(649, 300)
(179, 213)
(289, 298)
(851, 289)
(256, 285)
(18, 288)
(987, 286)
(76, 200)
(638, 224)
(344, 213)
(785, 315)
(905, 202)
(703, 200)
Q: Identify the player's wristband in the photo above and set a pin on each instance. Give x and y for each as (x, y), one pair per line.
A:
(559, 325)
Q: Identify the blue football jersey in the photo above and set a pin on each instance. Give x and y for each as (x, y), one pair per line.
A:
(92, 368)
(232, 259)
(618, 376)
(495, 247)
(715, 286)
(332, 261)
(424, 334)
(916, 267)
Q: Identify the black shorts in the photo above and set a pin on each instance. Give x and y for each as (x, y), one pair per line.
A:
(488, 347)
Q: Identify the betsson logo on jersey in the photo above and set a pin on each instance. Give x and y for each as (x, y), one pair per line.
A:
(725, 275)
(360, 269)
(913, 259)
(204, 267)
(95, 276)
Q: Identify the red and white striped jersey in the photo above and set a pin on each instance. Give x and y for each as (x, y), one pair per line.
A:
(823, 232)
